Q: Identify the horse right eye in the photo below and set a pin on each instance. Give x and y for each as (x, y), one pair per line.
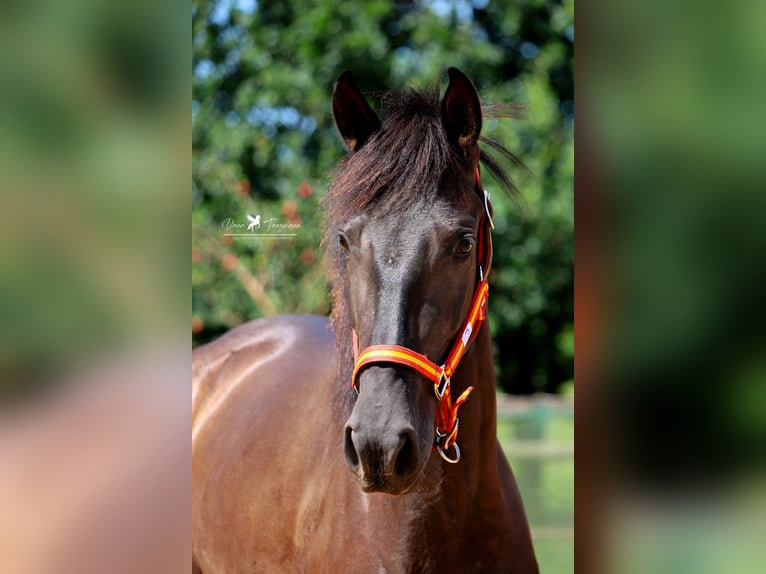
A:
(343, 241)
(464, 246)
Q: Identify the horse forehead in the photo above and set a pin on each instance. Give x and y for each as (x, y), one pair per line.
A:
(419, 218)
(401, 236)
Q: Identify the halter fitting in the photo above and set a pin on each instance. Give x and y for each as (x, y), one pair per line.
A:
(447, 421)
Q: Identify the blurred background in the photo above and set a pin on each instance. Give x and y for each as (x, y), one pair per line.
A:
(94, 287)
(671, 244)
(93, 188)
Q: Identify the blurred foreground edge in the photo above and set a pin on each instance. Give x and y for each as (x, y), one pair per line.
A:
(95, 475)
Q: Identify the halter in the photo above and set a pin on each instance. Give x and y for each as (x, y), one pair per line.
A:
(447, 421)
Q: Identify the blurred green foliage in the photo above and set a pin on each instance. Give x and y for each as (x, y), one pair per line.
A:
(93, 191)
(675, 255)
(264, 143)
(684, 256)
(538, 439)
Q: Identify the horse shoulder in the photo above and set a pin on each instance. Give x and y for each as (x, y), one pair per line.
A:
(269, 362)
(255, 411)
(286, 342)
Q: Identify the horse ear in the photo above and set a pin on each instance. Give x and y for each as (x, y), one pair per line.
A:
(461, 112)
(353, 115)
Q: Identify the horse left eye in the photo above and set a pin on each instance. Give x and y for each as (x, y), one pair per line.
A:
(464, 246)
(343, 241)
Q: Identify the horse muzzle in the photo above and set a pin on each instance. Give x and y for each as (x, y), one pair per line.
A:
(385, 460)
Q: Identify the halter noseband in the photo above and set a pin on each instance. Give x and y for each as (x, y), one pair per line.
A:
(447, 421)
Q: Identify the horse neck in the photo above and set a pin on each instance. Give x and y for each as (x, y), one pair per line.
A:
(472, 499)
(457, 497)
(476, 474)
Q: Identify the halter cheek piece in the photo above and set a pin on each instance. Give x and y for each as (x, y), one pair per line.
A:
(447, 421)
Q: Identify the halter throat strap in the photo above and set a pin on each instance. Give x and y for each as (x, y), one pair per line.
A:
(447, 421)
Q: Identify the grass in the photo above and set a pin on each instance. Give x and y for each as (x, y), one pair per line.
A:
(538, 440)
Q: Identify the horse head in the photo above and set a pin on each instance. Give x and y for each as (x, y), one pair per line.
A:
(406, 220)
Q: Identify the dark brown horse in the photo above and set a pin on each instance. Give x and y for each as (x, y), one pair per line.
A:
(293, 471)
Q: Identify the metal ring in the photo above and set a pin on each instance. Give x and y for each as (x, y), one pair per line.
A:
(443, 452)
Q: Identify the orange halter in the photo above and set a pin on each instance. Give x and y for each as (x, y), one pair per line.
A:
(447, 421)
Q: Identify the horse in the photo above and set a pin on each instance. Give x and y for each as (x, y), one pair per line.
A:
(338, 445)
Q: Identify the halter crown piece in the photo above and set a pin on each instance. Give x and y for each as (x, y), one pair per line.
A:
(447, 421)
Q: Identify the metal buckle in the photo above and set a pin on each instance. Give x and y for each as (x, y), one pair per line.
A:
(441, 387)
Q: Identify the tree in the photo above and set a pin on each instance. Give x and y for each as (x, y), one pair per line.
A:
(264, 144)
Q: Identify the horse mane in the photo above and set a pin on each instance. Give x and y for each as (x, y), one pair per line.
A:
(410, 146)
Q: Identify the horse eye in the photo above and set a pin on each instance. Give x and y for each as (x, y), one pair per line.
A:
(464, 246)
(343, 241)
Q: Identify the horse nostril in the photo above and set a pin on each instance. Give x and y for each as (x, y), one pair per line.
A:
(352, 457)
(407, 457)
